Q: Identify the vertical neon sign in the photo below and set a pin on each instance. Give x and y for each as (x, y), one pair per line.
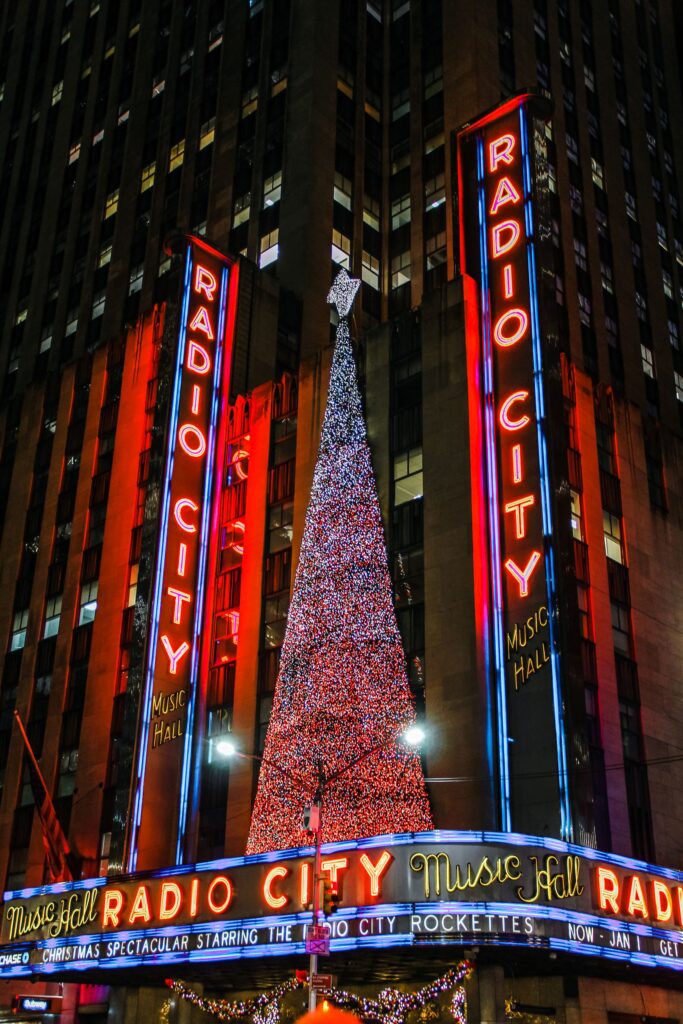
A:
(169, 700)
(498, 250)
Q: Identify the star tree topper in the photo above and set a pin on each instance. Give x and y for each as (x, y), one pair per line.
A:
(343, 292)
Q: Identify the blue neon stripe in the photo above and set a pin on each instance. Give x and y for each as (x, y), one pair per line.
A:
(560, 734)
(201, 574)
(494, 525)
(161, 558)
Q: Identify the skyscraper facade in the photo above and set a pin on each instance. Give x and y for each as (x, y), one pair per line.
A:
(266, 144)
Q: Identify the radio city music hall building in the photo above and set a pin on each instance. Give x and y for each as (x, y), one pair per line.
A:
(181, 184)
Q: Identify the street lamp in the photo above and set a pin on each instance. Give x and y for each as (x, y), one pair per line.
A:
(413, 736)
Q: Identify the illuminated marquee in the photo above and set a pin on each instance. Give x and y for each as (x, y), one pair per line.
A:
(202, 364)
(498, 251)
(432, 887)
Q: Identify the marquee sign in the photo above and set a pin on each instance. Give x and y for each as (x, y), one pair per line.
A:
(496, 173)
(202, 366)
(432, 887)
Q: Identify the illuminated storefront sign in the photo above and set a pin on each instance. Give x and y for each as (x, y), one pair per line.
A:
(498, 251)
(435, 887)
(199, 382)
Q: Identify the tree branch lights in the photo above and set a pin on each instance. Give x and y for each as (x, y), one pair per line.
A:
(342, 689)
(390, 1006)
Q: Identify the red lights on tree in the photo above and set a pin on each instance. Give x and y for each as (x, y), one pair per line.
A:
(342, 689)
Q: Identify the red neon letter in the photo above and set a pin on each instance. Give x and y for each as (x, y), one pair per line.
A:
(506, 422)
(523, 575)
(334, 865)
(516, 464)
(180, 598)
(182, 558)
(141, 910)
(661, 899)
(305, 884)
(198, 358)
(237, 456)
(517, 506)
(113, 902)
(194, 897)
(501, 247)
(634, 898)
(507, 280)
(201, 322)
(169, 901)
(196, 395)
(219, 908)
(276, 902)
(183, 503)
(375, 871)
(500, 151)
(204, 281)
(189, 429)
(174, 656)
(505, 340)
(678, 906)
(505, 193)
(608, 889)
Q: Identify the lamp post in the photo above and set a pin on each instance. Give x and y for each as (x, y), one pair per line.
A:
(412, 737)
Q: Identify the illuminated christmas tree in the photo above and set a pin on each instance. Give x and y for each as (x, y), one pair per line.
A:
(342, 689)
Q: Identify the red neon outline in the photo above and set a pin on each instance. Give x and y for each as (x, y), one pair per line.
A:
(305, 884)
(608, 897)
(518, 505)
(182, 558)
(334, 865)
(508, 283)
(376, 871)
(196, 395)
(224, 880)
(174, 657)
(522, 576)
(500, 248)
(504, 414)
(505, 193)
(181, 597)
(204, 281)
(194, 897)
(659, 889)
(181, 504)
(192, 348)
(169, 913)
(113, 905)
(140, 908)
(187, 428)
(201, 322)
(516, 463)
(276, 902)
(635, 902)
(504, 340)
(505, 156)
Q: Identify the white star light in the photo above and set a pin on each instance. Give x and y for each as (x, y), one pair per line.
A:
(343, 292)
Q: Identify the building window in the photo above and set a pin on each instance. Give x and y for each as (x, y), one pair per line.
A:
(576, 520)
(648, 360)
(584, 611)
(57, 92)
(280, 526)
(400, 212)
(272, 190)
(53, 611)
(133, 585)
(435, 192)
(19, 627)
(98, 304)
(408, 483)
(611, 528)
(341, 249)
(135, 279)
(105, 255)
(620, 628)
(207, 133)
(269, 248)
(111, 204)
(370, 270)
(371, 212)
(241, 209)
(678, 386)
(250, 101)
(400, 269)
(147, 177)
(176, 156)
(343, 190)
(88, 602)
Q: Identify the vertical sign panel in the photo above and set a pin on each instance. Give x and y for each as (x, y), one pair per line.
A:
(495, 171)
(165, 741)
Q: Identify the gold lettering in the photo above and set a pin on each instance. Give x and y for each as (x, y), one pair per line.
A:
(553, 880)
(438, 872)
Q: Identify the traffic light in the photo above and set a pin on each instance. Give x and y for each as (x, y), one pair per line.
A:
(330, 900)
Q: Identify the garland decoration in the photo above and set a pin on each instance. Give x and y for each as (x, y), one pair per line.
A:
(390, 1005)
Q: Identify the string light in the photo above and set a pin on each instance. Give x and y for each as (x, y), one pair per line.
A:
(390, 1005)
(342, 688)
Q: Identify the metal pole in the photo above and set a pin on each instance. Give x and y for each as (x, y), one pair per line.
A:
(313, 962)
